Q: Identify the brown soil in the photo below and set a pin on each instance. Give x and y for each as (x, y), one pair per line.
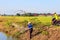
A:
(54, 33)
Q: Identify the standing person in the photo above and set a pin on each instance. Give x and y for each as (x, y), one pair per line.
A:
(30, 26)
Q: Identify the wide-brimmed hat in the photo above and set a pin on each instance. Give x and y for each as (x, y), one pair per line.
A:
(29, 22)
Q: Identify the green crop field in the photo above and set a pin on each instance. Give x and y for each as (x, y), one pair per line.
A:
(7, 20)
(18, 19)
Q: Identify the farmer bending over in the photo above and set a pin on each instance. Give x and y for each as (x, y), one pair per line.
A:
(30, 26)
(56, 16)
(55, 19)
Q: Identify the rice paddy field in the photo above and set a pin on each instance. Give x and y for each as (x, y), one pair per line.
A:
(17, 19)
(42, 27)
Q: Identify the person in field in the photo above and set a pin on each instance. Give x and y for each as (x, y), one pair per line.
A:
(30, 26)
(56, 16)
(55, 19)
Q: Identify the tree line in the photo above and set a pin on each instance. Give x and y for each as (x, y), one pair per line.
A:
(28, 14)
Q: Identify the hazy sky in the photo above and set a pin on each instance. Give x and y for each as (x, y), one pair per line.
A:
(10, 6)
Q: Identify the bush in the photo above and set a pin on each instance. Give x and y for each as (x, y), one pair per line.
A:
(8, 23)
(45, 33)
(35, 21)
(24, 23)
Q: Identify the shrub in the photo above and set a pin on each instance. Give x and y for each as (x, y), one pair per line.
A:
(35, 21)
(45, 33)
(24, 23)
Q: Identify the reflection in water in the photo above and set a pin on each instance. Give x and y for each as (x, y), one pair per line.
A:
(9, 38)
(3, 36)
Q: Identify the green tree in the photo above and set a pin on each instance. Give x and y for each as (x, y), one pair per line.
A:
(17, 14)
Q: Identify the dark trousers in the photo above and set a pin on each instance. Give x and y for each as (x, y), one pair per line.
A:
(31, 30)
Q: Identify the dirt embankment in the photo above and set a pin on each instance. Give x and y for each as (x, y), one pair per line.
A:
(53, 34)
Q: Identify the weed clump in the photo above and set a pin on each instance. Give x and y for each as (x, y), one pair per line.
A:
(45, 32)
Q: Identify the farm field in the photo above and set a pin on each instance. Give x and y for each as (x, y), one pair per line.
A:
(42, 19)
(43, 28)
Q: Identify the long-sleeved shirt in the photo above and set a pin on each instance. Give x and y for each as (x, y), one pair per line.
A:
(30, 26)
(56, 16)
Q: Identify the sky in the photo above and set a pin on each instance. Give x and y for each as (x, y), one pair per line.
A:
(34, 6)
